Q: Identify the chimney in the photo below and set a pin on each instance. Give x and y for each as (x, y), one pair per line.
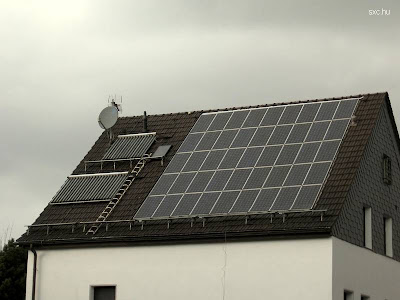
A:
(144, 122)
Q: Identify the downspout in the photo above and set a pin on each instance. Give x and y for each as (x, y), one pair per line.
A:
(34, 273)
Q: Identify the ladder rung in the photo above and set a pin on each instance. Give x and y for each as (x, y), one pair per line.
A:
(128, 181)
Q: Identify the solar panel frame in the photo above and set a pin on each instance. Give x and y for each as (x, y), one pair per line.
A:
(225, 202)
(204, 205)
(184, 207)
(304, 113)
(149, 206)
(130, 146)
(242, 203)
(89, 188)
(202, 123)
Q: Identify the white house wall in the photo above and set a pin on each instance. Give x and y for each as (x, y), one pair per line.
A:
(281, 269)
(364, 272)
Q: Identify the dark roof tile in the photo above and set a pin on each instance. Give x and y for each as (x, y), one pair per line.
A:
(172, 129)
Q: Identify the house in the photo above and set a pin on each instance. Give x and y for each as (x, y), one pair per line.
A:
(294, 200)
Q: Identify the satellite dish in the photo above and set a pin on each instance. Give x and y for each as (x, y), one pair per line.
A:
(108, 117)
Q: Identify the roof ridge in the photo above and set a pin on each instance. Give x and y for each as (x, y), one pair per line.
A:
(259, 105)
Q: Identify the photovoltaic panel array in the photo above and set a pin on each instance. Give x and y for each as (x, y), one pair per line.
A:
(130, 146)
(253, 160)
(89, 188)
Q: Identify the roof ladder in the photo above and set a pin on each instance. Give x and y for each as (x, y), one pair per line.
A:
(125, 186)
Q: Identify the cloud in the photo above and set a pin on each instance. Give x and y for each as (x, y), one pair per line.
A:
(61, 60)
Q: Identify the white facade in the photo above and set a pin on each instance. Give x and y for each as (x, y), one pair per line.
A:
(364, 273)
(274, 269)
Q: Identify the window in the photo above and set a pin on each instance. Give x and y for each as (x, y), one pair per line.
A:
(348, 295)
(104, 293)
(363, 297)
(368, 227)
(389, 236)
(387, 169)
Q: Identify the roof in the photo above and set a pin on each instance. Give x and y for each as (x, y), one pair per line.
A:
(172, 129)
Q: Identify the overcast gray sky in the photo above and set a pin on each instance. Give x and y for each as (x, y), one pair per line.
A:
(60, 61)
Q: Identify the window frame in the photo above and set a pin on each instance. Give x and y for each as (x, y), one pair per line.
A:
(348, 295)
(388, 235)
(92, 288)
(368, 240)
(387, 169)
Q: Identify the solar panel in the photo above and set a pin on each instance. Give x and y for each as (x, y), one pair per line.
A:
(130, 146)
(89, 188)
(252, 160)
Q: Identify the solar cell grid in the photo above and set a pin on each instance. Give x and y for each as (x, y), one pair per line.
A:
(181, 183)
(317, 131)
(149, 206)
(306, 197)
(269, 156)
(244, 201)
(225, 202)
(265, 199)
(345, 109)
(220, 121)
(298, 133)
(238, 179)
(272, 116)
(252, 160)
(200, 182)
(327, 111)
(130, 146)
(307, 152)
(195, 161)
(237, 119)
(290, 114)
(163, 184)
(255, 117)
(202, 123)
(250, 157)
(177, 162)
(277, 176)
(225, 139)
(213, 160)
(243, 137)
(297, 175)
(336, 129)
(231, 158)
(187, 203)
(219, 180)
(285, 198)
(257, 178)
(327, 151)
(308, 113)
(288, 154)
(190, 143)
(167, 205)
(208, 140)
(280, 135)
(261, 136)
(205, 203)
